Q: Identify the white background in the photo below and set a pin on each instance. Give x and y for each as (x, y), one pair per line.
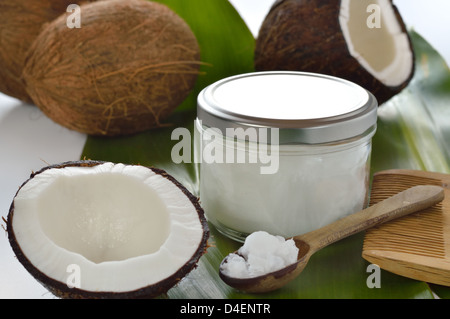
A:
(29, 140)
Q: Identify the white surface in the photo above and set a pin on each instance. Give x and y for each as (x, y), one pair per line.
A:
(430, 19)
(295, 97)
(28, 140)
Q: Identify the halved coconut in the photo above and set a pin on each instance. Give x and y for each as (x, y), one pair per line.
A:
(103, 230)
(364, 41)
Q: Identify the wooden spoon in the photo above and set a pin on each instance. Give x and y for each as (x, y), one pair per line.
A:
(409, 201)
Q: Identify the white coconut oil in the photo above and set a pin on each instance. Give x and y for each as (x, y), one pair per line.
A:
(283, 152)
(261, 254)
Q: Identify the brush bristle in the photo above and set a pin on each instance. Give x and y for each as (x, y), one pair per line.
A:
(413, 246)
(421, 233)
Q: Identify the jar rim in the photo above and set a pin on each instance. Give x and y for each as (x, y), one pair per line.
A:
(314, 121)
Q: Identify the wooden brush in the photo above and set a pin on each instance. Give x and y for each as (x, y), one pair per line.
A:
(418, 245)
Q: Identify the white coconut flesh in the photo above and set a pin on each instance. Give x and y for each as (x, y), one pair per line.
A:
(124, 227)
(375, 38)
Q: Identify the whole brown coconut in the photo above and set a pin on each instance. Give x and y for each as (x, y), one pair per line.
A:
(20, 23)
(124, 71)
(339, 38)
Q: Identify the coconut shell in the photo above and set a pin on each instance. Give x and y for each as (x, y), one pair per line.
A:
(20, 23)
(124, 71)
(61, 290)
(305, 35)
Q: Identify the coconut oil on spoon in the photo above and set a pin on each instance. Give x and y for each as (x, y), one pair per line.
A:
(409, 201)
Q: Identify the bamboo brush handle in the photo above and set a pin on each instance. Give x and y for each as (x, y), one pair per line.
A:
(409, 201)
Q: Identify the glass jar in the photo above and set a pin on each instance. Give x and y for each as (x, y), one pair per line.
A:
(284, 152)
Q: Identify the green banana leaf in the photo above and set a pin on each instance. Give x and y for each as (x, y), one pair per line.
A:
(413, 133)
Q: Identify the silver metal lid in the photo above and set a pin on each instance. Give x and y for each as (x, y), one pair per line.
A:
(307, 108)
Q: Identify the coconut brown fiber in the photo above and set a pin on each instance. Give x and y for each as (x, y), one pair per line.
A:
(124, 71)
(305, 35)
(20, 23)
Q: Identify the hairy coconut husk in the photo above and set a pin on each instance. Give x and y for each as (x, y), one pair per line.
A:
(20, 24)
(124, 71)
(305, 35)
